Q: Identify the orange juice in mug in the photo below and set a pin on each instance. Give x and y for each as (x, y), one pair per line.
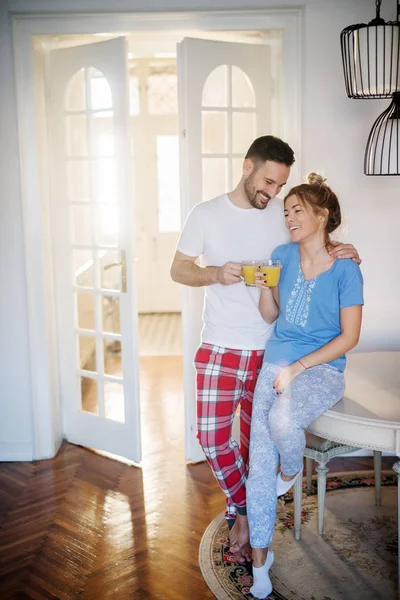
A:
(272, 270)
(249, 268)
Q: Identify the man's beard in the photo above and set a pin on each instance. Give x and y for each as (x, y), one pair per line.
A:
(251, 194)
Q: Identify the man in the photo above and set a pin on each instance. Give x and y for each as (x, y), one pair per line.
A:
(246, 224)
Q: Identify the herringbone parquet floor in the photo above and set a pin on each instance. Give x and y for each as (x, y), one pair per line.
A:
(82, 526)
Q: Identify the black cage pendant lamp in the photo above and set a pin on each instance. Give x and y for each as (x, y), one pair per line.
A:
(371, 57)
(382, 154)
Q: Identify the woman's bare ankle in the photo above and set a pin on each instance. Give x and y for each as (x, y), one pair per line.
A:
(259, 556)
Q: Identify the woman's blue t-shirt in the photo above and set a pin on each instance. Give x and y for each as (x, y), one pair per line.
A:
(309, 314)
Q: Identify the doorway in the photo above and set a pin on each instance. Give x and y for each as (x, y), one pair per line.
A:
(162, 65)
(84, 98)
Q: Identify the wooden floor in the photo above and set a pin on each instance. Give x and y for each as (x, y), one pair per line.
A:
(160, 334)
(84, 526)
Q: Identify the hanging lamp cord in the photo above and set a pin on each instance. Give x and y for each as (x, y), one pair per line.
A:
(378, 19)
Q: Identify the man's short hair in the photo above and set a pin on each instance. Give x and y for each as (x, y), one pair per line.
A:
(271, 148)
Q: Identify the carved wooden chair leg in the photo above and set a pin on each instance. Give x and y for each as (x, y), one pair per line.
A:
(322, 470)
(378, 474)
(309, 473)
(297, 497)
(322, 451)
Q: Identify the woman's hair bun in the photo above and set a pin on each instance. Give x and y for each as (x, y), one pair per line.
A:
(315, 179)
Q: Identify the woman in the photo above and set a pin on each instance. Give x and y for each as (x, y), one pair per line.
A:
(318, 307)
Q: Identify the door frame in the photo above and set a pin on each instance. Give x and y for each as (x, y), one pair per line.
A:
(45, 393)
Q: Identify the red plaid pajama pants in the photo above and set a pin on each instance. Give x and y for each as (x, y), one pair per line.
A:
(225, 379)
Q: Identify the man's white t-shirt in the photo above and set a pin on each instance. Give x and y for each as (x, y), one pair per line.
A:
(220, 232)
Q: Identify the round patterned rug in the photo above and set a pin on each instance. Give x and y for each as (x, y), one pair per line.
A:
(355, 559)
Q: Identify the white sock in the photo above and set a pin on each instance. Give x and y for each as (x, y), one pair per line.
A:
(262, 586)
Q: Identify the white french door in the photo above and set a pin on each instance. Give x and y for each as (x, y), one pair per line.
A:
(224, 104)
(92, 225)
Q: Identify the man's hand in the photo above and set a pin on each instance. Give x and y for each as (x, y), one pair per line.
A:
(229, 273)
(286, 376)
(345, 251)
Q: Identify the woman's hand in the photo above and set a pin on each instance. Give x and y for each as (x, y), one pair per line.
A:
(260, 280)
(286, 376)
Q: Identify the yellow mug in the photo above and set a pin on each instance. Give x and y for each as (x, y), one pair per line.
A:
(272, 270)
(249, 268)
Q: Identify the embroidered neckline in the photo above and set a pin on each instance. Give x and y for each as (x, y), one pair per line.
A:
(298, 304)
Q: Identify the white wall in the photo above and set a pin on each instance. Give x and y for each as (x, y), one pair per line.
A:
(335, 131)
(15, 405)
(334, 139)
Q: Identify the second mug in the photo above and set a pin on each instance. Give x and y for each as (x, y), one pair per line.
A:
(272, 270)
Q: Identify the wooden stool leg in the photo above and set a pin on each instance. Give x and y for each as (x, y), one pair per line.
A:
(297, 493)
(309, 473)
(322, 470)
(378, 471)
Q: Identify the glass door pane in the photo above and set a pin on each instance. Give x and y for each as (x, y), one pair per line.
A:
(92, 222)
(229, 125)
(98, 263)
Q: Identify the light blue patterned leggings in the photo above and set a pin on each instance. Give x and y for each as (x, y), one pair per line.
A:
(277, 433)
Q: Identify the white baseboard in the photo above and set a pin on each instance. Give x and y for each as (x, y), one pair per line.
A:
(16, 452)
